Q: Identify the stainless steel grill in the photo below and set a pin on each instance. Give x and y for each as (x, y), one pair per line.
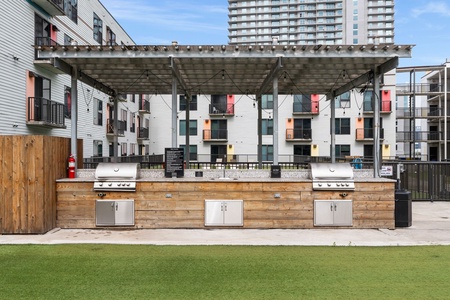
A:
(116, 177)
(332, 176)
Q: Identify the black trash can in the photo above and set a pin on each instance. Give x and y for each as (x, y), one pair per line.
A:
(275, 171)
(403, 208)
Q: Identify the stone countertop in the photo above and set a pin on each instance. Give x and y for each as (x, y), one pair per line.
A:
(218, 175)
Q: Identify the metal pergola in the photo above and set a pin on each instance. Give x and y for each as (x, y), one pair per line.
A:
(223, 69)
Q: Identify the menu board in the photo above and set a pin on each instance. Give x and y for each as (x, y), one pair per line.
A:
(174, 162)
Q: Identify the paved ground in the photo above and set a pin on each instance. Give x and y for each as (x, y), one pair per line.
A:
(430, 226)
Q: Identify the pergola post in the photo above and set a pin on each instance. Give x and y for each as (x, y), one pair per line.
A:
(259, 103)
(275, 120)
(333, 127)
(376, 124)
(174, 112)
(74, 115)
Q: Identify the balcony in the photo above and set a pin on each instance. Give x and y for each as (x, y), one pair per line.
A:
(143, 133)
(295, 135)
(366, 134)
(218, 135)
(311, 108)
(419, 136)
(419, 112)
(221, 110)
(144, 106)
(45, 113)
(52, 7)
(122, 125)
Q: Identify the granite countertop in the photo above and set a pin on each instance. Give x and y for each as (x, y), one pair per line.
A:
(366, 175)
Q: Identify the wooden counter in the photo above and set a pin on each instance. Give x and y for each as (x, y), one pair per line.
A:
(267, 203)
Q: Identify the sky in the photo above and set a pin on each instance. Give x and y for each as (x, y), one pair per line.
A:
(423, 23)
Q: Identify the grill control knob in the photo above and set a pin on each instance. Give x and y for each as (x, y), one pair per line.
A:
(319, 184)
(347, 184)
(109, 184)
(329, 184)
(100, 184)
(128, 184)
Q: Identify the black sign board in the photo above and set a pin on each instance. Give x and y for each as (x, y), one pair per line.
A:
(174, 162)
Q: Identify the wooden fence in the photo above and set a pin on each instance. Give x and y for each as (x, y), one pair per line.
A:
(29, 167)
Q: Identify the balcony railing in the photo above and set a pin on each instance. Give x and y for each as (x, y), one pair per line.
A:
(45, 41)
(143, 133)
(53, 7)
(364, 134)
(299, 134)
(419, 112)
(144, 106)
(44, 112)
(421, 88)
(215, 135)
(221, 109)
(419, 136)
(122, 125)
(306, 108)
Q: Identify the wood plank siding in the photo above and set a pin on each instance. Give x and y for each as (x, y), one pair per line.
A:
(180, 204)
(30, 166)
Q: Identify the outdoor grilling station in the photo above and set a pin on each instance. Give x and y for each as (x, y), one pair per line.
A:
(326, 195)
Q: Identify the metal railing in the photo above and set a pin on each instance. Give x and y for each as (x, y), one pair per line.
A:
(221, 109)
(363, 134)
(143, 133)
(418, 88)
(45, 112)
(122, 125)
(215, 134)
(306, 108)
(144, 106)
(45, 41)
(298, 134)
(419, 136)
(419, 112)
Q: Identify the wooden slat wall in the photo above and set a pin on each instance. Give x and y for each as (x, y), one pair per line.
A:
(30, 166)
(373, 203)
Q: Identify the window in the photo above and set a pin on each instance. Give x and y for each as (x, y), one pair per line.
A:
(132, 149)
(192, 127)
(98, 148)
(98, 112)
(267, 127)
(302, 129)
(342, 150)
(124, 118)
(110, 37)
(267, 101)
(42, 31)
(71, 9)
(67, 102)
(67, 40)
(267, 152)
(192, 151)
(98, 29)
(123, 147)
(133, 122)
(343, 100)
(342, 126)
(192, 104)
(368, 101)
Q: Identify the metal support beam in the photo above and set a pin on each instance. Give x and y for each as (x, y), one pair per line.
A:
(188, 126)
(333, 129)
(273, 74)
(275, 120)
(376, 125)
(445, 110)
(174, 112)
(177, 74)
(259, 103)
(74, 116)
(116, 130)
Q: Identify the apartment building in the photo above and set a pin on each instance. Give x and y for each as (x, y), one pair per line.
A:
(311, 22)
(36, 95)
(423, 111)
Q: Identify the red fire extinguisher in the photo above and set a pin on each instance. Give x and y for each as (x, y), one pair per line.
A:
(71, 168)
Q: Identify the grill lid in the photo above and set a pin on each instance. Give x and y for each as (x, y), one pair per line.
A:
(117, 171)
(332, 176)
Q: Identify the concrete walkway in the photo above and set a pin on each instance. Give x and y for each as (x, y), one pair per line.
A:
(430, 226)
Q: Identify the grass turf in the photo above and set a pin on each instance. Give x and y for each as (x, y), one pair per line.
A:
(223, 272)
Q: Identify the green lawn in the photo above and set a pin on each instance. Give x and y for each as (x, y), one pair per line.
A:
(223, 272)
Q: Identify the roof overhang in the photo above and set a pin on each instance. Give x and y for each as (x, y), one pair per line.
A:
(225, 69)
